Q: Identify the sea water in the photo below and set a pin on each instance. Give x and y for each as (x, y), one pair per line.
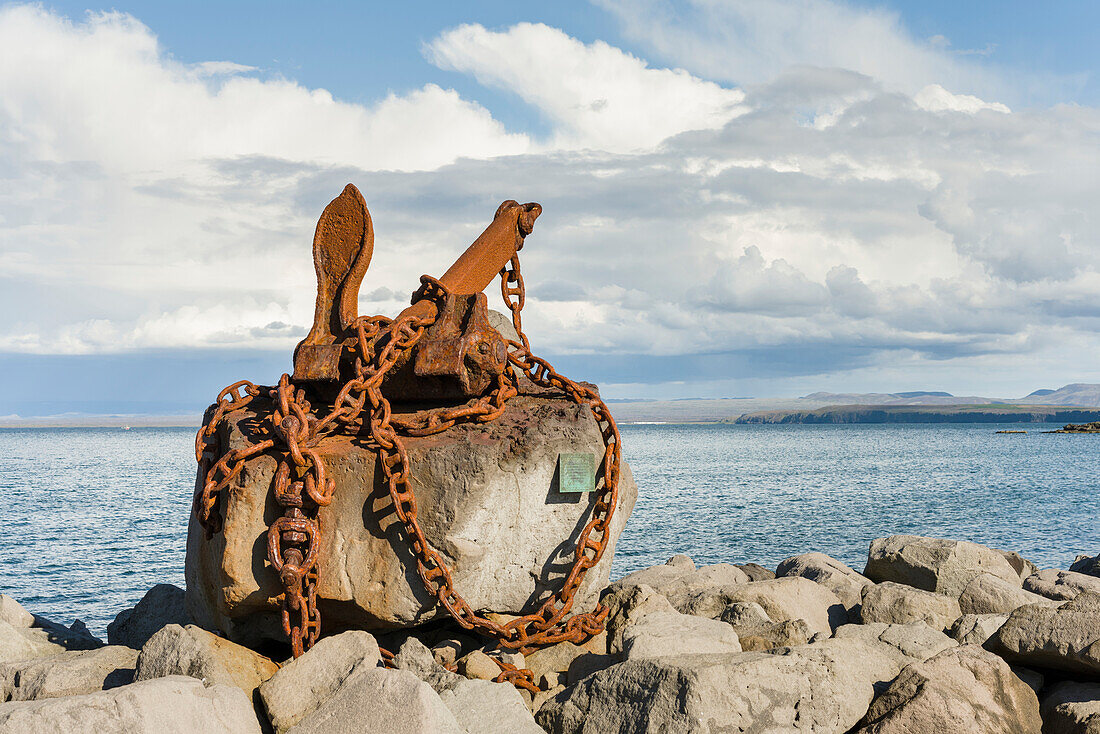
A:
(91, 518)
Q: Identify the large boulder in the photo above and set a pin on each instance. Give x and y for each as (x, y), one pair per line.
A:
(830, 573)
(792, 598)
(903, 642)
(162, 605)
(976, 629)
(381, 700)
(965, 689)
(988, 594)
(934, 564)
(192, 651)
(304, 683)
(1071, 707)
(488, 501)
(824, 687)
(19, 643)
(173, 705)
(69, 673)
(1062, 638)
(1061, 585)
(673, 633)
(698, 591)
(900, 604)
(627, 604)
(13, 613)
(1088, 565)
(489, 708)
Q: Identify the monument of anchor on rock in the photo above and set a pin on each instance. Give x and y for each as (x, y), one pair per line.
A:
(410, 469)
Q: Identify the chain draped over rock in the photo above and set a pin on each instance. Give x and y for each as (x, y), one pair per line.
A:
(301, 487)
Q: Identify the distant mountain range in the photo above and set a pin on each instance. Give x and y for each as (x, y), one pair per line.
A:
(1079, 394)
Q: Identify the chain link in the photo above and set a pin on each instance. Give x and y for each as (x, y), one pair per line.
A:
(301, 486)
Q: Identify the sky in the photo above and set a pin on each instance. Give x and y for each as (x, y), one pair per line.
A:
(741, 198)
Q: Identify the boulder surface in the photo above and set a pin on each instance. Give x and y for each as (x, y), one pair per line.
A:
(192, 651)
(824, 687)
(934, 564)
(1063, 638)
(162, 605)
(69, 673)
(900, 604)
(173, 705)
(837, 577)
(964, 689)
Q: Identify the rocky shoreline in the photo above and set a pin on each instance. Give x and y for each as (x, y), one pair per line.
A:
(934, 636)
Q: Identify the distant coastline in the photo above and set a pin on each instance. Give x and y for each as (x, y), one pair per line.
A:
(926, 414)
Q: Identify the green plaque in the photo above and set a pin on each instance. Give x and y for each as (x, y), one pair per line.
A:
(576, 472)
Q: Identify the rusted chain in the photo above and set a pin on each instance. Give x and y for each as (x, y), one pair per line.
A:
(301, 486)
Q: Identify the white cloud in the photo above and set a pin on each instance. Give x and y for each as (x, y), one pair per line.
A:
(750, 41)
(598, 96)
(104, 91)
(935, 98)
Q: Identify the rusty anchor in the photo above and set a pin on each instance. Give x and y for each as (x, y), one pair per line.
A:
(445, 346)
(461, 354)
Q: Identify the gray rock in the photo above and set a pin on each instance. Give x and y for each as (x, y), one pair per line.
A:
(68, 674)
(416, 658)
(19, 643)
(788, 633)
(173, 705)
(489, 708)
(988, 594)
(627, 604)
(1061, 585)
(746, 615)
(483, 490)
(904, 643)
(381, 700)
(75, 637)
(934, 564)
(900, 604)
(756, 572)
(792, 598)
(193, 651)
(304, 683)
(479, 666)
(1021, 565)
(821, 688)
(702, 592)
(1072, 707)
(673, 633)
(1062, 638)
(830, 573)
(976, 629)
(13, 613)
(162, 605)
(689, 590)
(1088, 565)
(557, 658)
(965, 689)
